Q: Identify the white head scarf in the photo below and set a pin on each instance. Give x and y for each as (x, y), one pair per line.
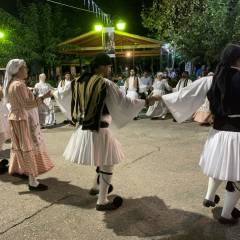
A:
(160, 74)
(12, 68)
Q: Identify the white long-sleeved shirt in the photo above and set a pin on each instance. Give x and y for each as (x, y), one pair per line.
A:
(184, 103)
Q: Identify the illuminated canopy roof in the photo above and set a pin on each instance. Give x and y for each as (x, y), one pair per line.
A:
(89, 44)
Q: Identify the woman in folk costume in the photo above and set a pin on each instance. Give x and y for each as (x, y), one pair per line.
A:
(220, 158)
(28, 153)
(95, 102)
(203, 114)
(4, 130)
(46, 110)
(159, 109)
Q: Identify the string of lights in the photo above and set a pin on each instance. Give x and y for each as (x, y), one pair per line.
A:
(92, 7)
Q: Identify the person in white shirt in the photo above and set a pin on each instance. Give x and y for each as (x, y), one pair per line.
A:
(145, 83)
(160, 86)
(95, 102)
(46, 110)
(220, 158)
(132, 85)
(183, 82)
(63, 87)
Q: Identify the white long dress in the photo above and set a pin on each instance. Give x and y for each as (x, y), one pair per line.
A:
(220, 158)
(100, 148)
(159, 108)
(46, 110)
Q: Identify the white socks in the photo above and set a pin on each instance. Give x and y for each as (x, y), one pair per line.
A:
(33, 181)
(105, 181)
(213, 185)
(230, 200)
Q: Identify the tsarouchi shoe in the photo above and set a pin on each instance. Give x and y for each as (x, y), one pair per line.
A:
(113, 205)
(208, 203)
(235, 213)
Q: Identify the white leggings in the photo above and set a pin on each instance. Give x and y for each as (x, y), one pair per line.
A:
(104, 182)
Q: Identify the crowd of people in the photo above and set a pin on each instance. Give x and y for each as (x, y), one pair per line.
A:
(139, 86)
(92, 102)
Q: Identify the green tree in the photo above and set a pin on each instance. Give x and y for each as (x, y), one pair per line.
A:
(199, 28)
(45, 27)
(11, 44)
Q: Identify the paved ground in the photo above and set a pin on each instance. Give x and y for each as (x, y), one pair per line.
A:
(160, 181)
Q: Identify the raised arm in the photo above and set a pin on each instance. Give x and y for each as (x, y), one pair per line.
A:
(184, 103)
(121, 108)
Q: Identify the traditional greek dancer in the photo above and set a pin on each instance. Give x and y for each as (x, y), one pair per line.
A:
(220, 158)
(159, 109)
(28, 153)
(183, 82)
(63, 87)
(132, 85)
(95, 102)
(145, 83)
(46, 110)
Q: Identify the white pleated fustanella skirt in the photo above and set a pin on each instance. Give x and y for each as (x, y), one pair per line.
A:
(132, 94)
(93, 148)
(220, 158)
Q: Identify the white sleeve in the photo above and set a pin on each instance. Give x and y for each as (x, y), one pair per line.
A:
(184, 103)
(64, 91)
(121, 108)
(63, 99)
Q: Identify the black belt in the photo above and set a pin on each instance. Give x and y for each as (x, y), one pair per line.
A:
(104, 124)
(230, 124)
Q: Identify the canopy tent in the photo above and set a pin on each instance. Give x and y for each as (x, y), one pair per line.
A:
(91, 43)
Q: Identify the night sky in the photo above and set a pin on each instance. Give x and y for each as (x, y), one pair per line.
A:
(128, 10)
